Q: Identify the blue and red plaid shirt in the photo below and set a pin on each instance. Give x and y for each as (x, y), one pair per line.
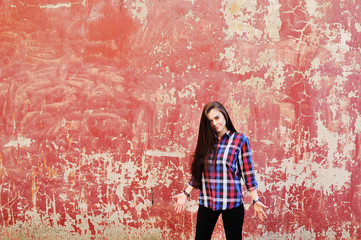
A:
(221, 186)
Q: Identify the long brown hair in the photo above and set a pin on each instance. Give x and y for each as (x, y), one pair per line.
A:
(207, 139)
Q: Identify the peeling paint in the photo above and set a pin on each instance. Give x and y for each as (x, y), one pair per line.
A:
(56, 5)
(19, 142)
(273, 21)
(139, 10)
(158, 153)
(101, 103)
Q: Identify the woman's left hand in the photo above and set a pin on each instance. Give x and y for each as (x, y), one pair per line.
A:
(258, 210)
(181, 201)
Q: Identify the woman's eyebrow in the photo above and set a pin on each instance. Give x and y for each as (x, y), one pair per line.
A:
(214, 117)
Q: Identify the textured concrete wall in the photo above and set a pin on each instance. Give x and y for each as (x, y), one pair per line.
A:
(100, 103)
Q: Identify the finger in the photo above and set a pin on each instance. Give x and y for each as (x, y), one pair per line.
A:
(264, 206)
(180, 208)
(261, 215)
(175, 196)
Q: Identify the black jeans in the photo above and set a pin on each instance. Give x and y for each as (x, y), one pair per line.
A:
(232, 222)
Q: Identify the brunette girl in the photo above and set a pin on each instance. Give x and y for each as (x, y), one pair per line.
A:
(222, 158)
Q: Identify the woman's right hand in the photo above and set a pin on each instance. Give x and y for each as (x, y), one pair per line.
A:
(181, 201)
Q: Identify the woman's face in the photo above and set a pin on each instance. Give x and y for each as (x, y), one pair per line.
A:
(218, 122)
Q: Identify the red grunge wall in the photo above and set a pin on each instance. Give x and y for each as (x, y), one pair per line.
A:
(100, 103)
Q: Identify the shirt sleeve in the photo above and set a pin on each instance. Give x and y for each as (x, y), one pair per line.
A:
(191, 182)
(246, 164)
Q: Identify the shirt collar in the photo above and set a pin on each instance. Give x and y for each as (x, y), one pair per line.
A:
(228, 134)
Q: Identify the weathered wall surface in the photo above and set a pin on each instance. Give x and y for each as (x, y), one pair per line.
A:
(100, 103)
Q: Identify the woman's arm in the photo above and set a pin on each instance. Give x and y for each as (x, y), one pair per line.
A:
(182, 198)
(250, 180)
(258, 205)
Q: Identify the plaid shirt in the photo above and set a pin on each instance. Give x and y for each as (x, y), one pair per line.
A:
(221, 184)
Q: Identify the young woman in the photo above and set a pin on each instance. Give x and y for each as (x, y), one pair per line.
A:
(222, 158)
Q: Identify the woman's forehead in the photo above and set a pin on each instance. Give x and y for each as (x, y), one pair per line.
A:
(213, 113)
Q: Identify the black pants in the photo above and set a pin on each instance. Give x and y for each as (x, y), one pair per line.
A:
(232, 222)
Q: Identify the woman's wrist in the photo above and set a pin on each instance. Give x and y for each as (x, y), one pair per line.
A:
(186, 193)
(256, 200)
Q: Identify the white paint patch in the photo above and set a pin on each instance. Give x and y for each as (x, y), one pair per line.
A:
(20, 142)
(299, 233)
(273, 20)
(267, 142)
(139, 10)
(255, 83)
(316, 79)
(158, 153)
(325, 176)
(327, 138)
(353, 94)
(358, 27)
(192, 205)
(60, 5)
(188, 91)
(163, 97)
(330, 178)
(307, 174)
(358, 124)
(235, 65)
(33, 216)
(312, 7)
(338, 41)
(238, 14)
